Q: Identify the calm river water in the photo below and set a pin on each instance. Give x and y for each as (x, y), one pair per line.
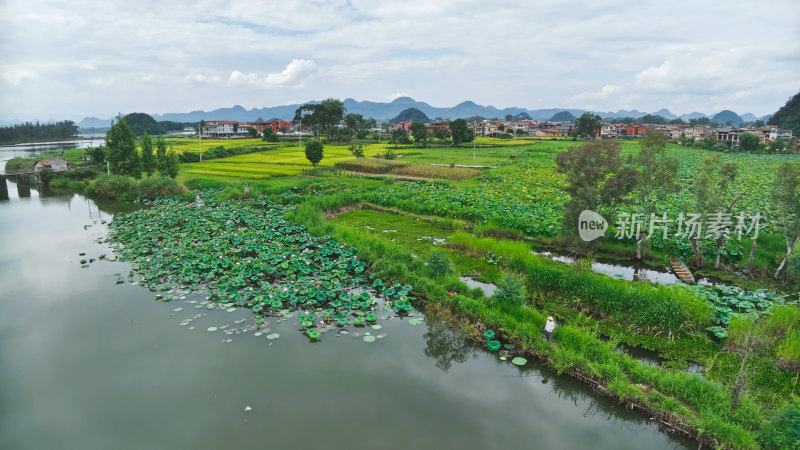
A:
(86, 363)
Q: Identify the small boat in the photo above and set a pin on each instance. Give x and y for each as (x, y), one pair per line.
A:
(681, 271)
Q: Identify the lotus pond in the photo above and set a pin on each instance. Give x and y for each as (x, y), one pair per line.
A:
(92, 358)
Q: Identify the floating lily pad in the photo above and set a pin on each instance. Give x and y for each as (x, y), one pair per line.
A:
(520, 361)
(272, 336)
(503, 358)
(212, 329)
(369, 338)
(344, 332)
(179, 309)
(257, 334)
(376, 327)
(231, 309)
(494, 345)
(508, 346)
(416, 321)
(313, 334)
(489, 334)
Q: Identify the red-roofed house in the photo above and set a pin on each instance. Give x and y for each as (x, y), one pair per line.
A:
(55, 164)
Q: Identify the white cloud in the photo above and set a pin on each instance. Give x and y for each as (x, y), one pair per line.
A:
(558, 54)
(294, 74)
(16, 75)
(202, 79)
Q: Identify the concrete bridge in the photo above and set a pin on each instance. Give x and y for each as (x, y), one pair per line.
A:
(22, 177)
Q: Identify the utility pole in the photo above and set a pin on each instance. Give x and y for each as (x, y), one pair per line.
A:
(474, 138)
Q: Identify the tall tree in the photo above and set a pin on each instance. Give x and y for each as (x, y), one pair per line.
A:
(161, 154)
(588, 124)
(461, 132)
(321, 117)
(304, 117)
(596, 178)
(171, 165)
(314, 152)
(713, 183)
(122, 156)
(419, 132)
(252, 132)
(148, 159)
(786, 207)
(658, 176)
(748, 142)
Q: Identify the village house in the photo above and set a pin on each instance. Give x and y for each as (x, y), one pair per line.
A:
(635, 130)
(727, 134)
(401, 125)
(55, 164)
(437, 125)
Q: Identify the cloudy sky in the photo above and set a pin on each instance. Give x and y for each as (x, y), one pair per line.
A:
(70, 59)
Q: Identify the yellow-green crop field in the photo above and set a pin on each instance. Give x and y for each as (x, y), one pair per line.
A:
(281, 161)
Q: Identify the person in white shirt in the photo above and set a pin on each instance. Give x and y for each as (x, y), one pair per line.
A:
(549, 326)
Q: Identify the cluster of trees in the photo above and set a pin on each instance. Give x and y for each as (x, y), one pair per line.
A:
(141, 123)
(459, 131)
(327, 119)
(788, 116)
(599, 180)
(748, 142)
(124, 159)
(35, 131)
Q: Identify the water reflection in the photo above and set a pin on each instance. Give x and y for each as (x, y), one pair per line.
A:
(444, 346)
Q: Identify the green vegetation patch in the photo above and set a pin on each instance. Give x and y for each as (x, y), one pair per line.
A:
(247, 256)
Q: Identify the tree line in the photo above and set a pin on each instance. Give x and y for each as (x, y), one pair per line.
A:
(37, 131)
(123, 157)
(598, 179)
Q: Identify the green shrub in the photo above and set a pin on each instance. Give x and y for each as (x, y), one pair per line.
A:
(66, 183)
(18, 163)
(783, 431)
(510, 290)
(439, 264)
(150, 188)
(778, 321)
(204, 183)
(388, 154)
(114, 186)
(789, 349)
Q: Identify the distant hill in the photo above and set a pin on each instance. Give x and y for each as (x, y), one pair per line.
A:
(384, 111)
(563, 116)
(724, 116)
(411, 115)
(788, 116)
(664, 112)
(692, 115)
(748, 117)
(93, 122)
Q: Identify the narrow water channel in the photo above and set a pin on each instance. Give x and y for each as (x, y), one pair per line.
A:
(86, 363)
